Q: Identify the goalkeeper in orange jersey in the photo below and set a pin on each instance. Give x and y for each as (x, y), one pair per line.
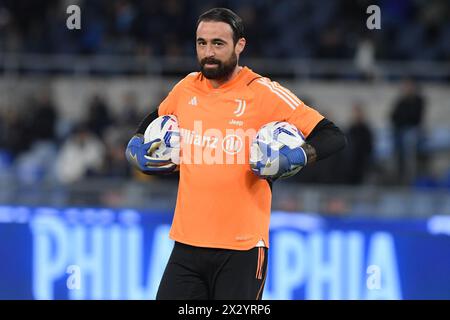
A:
(221, 221)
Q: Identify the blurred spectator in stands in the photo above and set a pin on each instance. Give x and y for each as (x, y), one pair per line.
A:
(331, 43)
(365, 57)
(43, 118)
(124, 15)
(81, 155)
(2, 127)
(331, 170)
(36, 165)
(406, 118)
(5, 155)
(115, 165)
(129, 113)
(360, 146)
(174, 25)
(34, 132)
(249, 14)
(99, 117)
(15, 136)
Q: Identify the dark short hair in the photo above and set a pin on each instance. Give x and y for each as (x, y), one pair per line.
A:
(227, 16)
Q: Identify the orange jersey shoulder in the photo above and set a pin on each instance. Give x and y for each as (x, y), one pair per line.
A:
(284, 105)
(169, 104)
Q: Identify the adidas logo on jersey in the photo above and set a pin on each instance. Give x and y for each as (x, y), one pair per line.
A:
(193, 101)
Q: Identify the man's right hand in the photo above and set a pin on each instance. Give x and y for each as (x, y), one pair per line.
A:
(139, 154)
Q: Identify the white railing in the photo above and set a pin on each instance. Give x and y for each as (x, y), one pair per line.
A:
(158, 194)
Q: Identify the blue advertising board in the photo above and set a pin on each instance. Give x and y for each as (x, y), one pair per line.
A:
(99, 253)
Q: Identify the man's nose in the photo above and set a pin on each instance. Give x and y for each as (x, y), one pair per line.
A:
(209, 51)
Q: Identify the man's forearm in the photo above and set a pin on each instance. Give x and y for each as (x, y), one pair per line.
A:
(311, 153)
(325, 140)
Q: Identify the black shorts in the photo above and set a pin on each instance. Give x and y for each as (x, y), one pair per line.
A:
(196, 273)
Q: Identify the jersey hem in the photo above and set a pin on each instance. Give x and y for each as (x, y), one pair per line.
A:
(217, 245)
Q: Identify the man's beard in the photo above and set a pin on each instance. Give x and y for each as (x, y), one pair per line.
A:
(223, 70)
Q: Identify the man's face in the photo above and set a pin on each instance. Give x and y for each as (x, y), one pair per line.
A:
(216, 52)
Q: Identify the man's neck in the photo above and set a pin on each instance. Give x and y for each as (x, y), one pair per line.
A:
(215, 83)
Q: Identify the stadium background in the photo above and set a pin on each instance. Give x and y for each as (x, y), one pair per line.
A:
(77, 223)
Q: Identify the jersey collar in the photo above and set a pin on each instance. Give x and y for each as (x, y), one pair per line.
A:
(240, 79)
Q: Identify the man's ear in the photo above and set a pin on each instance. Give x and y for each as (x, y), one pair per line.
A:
(240, 45)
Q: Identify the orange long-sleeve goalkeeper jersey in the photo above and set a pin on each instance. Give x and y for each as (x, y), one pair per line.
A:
(221, 203)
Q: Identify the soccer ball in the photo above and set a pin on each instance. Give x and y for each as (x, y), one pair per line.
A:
(264, 151)
(165, 128)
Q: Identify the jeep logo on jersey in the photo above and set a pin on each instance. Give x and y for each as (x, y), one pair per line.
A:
(232, 144)
(240, 108)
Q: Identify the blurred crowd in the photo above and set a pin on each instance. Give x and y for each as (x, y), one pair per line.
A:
(37, 145)
(410, 29)
(358, 164)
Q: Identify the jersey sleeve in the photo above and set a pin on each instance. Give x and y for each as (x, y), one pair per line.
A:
(304, 118)
(169, 104)
(286, 106)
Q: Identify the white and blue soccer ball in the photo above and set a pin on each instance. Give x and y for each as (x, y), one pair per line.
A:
(165, 128)
(264, 151)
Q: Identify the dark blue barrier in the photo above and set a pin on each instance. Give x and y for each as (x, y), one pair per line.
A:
(96, 253)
